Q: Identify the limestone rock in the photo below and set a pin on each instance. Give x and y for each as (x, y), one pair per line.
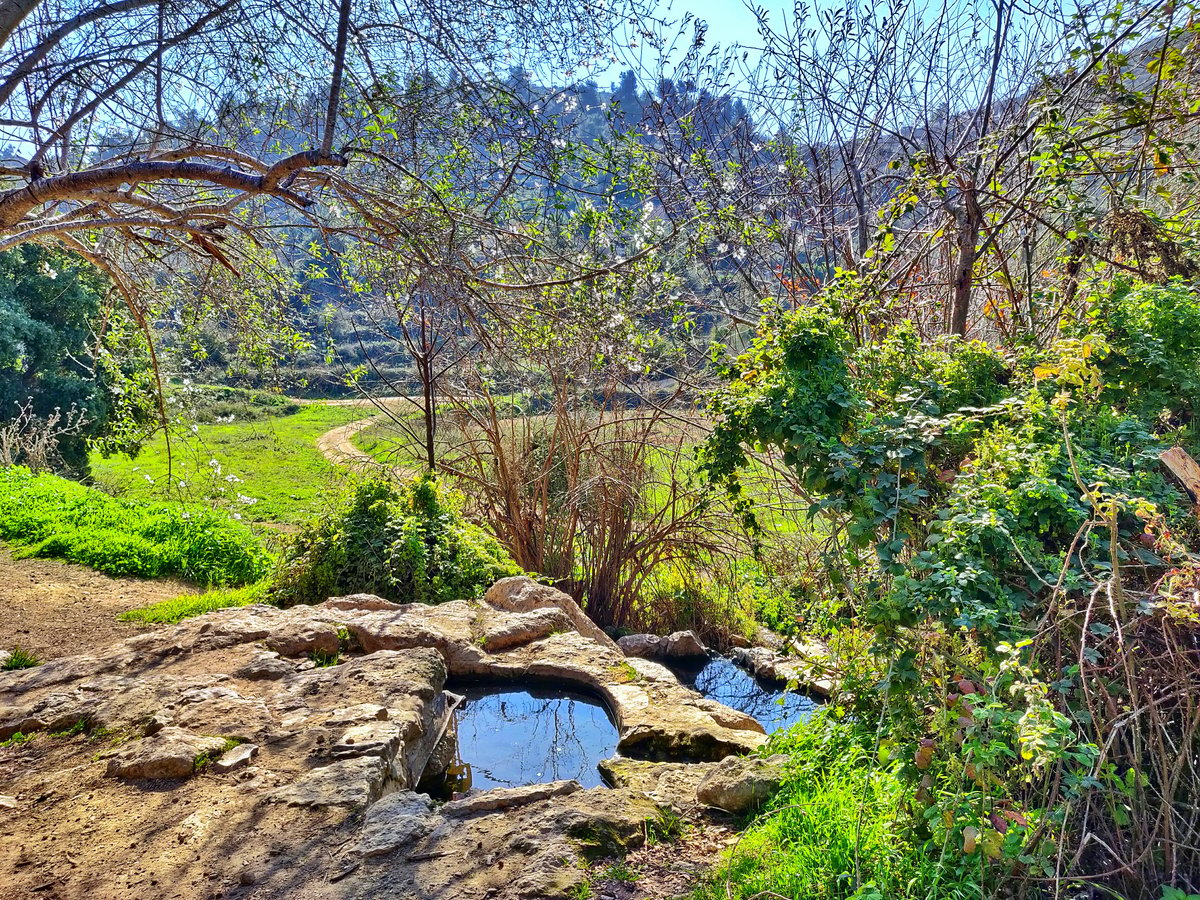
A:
(169, 753)
(236, 758)
(265, 666)
(679, 645)
(739, 785)
(506, 798)
(351, 782)
(366, 602)
(523, 594)
(357, 715)
(334, 743)
(303, 638)
(812, 671)
(395, 821)
(666, 783)
(518, 629)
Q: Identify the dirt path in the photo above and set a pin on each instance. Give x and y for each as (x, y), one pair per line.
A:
(337, 444)
(54, 608)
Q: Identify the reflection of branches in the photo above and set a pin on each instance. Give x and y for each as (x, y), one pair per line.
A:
(726, 682)
(518, 737)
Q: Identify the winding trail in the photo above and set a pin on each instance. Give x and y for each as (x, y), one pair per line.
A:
(337, 444)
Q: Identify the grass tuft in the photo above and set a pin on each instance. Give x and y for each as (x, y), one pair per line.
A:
(20, 659)
(168, 612)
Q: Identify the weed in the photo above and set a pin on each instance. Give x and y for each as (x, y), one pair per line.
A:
(623, 673)
(581, 891)
(324, 658)
(619, 871)
(20, 659)
(204, 760)
(78, 728)
(19, 738)
(666, 827)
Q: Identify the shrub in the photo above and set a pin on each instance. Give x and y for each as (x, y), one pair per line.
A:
(47, 516)
(1153, 333)
(1005, 559)
(409, 544)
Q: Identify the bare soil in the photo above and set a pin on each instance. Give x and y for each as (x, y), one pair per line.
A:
(54, 609)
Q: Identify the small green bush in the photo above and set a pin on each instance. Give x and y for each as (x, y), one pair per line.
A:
(409, 544)
(47, 516)
(1153, 333)
(20, 659)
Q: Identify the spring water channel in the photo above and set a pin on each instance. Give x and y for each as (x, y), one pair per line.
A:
(518, 734)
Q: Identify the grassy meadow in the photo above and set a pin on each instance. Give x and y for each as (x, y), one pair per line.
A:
(262, 469)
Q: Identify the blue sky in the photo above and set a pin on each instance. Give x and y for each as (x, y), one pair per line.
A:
(729, 22)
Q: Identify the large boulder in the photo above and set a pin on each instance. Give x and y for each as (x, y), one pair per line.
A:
(681, 645)
(523, 594)
(742, 784)
(318, 798)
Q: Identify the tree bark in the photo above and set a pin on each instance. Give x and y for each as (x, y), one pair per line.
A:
(970, 224)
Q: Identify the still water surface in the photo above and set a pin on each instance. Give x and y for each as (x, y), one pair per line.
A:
(723, 680)
(529, 735)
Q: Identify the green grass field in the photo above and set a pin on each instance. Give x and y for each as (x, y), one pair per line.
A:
(265, 470)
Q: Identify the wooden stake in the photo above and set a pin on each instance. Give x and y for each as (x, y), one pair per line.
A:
(1185, 470)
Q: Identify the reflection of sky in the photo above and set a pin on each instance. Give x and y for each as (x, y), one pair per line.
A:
(515, 737)
(726, 682)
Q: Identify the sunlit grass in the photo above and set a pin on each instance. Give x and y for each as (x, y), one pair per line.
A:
(187, 605)
(266, 470)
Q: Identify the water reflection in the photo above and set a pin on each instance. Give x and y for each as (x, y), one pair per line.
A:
(725, 681)
(513, 737)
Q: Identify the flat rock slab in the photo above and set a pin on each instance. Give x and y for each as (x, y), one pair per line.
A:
(316, 799)
(170, 753)
(507, 798)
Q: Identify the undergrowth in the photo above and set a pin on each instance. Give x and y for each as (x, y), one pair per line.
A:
(409, 544)
(835, 829)
(47, 516)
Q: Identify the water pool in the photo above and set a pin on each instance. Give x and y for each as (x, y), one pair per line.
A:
(514, 736)
(723, 680)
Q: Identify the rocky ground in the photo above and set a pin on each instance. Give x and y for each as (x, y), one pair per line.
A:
(259, 752)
